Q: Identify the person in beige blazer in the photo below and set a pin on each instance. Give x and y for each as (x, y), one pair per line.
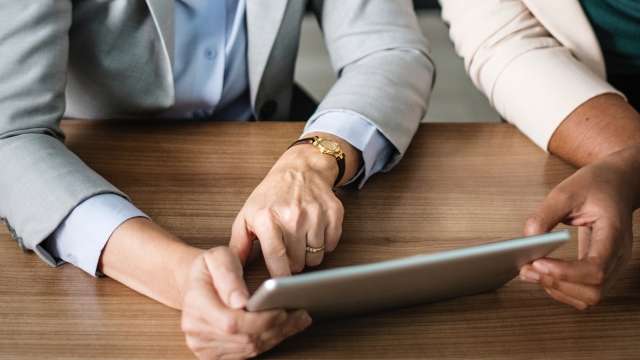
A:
(563, 72)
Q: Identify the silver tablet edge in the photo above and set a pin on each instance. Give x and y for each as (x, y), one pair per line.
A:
(557, 238)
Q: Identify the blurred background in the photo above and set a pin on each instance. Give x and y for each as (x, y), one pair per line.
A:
(455, 99)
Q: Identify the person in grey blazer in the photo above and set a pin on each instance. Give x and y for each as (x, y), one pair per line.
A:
(190, 59)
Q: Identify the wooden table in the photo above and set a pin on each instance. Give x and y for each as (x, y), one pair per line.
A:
(458, 185)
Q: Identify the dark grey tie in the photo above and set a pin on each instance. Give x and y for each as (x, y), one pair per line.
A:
(273, 100)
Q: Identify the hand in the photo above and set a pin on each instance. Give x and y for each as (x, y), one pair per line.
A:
(292, 208)
(213, 319)
(599, 198)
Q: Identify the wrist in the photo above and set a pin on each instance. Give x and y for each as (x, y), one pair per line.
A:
(307, 159)
(628, 159)
(603, 125)
(186, 256)
(148, 259)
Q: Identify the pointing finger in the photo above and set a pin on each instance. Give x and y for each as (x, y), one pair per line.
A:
(272, 244)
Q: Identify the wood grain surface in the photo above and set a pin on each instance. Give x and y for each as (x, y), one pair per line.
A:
(458, 185)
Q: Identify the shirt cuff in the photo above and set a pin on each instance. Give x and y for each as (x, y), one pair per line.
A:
(82, 236)
(361, 133)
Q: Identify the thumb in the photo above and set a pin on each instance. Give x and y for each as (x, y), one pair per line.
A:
(553, 210)
(241, 239)
(226, 272)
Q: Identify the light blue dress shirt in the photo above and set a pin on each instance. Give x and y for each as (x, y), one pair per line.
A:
(211, 81)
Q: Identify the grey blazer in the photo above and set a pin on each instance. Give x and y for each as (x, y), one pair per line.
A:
(57, 57)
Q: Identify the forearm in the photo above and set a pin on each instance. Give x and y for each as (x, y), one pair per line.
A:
(599, 127)
(149, 260)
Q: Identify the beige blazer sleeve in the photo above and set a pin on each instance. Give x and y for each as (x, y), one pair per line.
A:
(531, 79)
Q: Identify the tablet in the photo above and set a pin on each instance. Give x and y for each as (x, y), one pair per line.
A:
(408, 281)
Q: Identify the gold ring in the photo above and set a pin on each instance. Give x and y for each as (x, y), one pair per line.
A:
(313, 250)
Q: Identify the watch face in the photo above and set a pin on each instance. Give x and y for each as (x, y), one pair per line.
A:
(329, 145)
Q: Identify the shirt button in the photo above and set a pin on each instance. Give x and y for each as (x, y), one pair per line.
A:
(210, 53)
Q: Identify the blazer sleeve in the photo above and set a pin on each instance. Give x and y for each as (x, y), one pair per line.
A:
(41, 181)
(528, 76)
(382, 62)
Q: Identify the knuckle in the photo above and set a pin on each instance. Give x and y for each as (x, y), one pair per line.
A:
(314, 209)
(264, 217)
(291, 217)
(229, 325)
(533, 224)
(337, 208)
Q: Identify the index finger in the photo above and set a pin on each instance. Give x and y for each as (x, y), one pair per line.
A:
(273, 246)
(553, 210)
(241, 240)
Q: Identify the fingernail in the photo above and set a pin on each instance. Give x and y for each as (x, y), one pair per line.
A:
(541, 266)
(238, 299)
(529, 276)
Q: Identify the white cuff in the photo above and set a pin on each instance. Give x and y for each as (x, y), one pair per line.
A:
(80, 239)
(360, 133)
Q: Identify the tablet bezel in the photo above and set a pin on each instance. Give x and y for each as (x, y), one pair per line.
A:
(503, 258)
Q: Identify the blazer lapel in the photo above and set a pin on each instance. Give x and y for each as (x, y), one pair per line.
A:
(264, 19)
(264, 22)
(567, 22)
(162, 12)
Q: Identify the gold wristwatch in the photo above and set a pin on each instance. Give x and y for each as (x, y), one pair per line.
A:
(328, 147)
